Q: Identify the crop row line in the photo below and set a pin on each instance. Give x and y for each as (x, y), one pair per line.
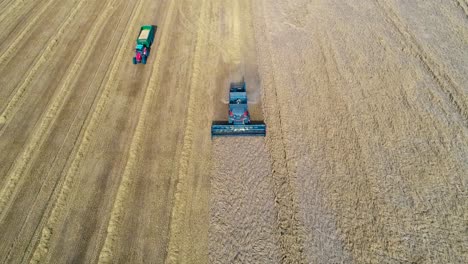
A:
(21, 164)
(13, 48)
(13, 102)
(52, 113)
(179, 207)
(59, 204)
(11, 8)
(449, 88)
(289, 225)
(115, 225)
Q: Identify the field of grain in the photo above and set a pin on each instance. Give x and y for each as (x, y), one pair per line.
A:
(365, 158)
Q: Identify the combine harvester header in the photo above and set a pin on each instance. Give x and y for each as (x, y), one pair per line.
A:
(239, 123)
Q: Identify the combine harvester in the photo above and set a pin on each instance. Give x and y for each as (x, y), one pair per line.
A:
(239, 123)
(144, 42)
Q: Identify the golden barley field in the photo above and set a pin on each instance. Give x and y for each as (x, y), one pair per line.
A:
(365, 158)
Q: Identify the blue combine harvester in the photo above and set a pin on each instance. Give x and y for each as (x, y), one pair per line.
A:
(239, 123)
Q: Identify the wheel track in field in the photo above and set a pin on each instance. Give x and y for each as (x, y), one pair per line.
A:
(179, 207)
(11, 8)
(14, 100)
(291, 231)
(453, 93)
(189, 25)
(114, 226)
(4, 3)
(7, 259)
(20, 164)
(78, 141)
(15, 19)
(236, 39)
(55, 106)
(57, 210)
(13, 48)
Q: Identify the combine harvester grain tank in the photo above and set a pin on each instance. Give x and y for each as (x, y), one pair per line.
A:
(239, 123)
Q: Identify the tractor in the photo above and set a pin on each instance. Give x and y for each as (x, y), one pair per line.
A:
(144, 42)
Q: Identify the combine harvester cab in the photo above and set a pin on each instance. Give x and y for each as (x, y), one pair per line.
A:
(144, 42)
(239, 123)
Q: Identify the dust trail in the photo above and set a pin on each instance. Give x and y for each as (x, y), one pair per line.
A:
(59, 206)
(118, 209)
(12, 105)
(444, 81)
(50, 117)
(178, 211)
(249, 62)
(290, 229)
